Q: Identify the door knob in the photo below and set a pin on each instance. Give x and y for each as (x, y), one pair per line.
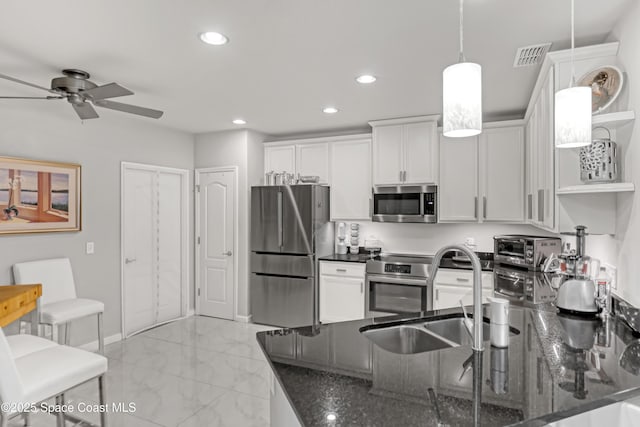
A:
(228, 253)
(129, 260)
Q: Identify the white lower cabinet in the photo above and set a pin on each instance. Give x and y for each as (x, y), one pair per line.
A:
(451, 286)
(341, 291)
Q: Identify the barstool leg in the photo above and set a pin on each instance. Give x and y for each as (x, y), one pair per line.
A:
(61, 329)
(60, 415)
(103, 400)
(27, 419)
(67, 333)
(100, 335)
(4, 419)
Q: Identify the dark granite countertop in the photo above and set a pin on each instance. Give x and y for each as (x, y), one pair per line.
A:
(361, 257)
(555, 366)
(449, 260)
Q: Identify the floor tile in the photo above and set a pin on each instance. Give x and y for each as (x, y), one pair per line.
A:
(232, 409)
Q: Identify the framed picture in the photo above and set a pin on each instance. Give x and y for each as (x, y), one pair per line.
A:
(38, 196)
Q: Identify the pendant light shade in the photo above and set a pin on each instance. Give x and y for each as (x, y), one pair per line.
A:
(462, 100)
(462, 94)
(573, 107)
(573, 117)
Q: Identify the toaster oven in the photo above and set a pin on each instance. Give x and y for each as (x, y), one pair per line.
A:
(529, 252)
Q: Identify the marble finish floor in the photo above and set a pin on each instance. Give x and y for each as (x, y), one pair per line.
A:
(198, 371)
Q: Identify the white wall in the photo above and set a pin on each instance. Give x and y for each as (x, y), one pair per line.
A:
(627, 237)
(426, 239)
(55, 133)
(240, 148)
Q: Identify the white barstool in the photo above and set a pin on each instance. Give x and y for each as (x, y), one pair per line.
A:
(59, 302)
(33, 370)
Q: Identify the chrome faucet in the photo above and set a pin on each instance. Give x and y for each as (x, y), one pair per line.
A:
(477, 287)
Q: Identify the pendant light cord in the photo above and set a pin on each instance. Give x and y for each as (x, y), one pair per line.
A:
(461, 56)
(573, 70)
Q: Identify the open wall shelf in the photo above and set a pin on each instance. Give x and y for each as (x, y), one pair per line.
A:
(614, 187)
(613, 120)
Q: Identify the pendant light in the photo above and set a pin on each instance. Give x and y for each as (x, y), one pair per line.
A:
(462, 95)
(573, 108)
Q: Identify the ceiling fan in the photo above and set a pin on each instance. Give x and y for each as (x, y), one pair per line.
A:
(76, 88)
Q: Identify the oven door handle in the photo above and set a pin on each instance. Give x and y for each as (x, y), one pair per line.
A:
(396, 280)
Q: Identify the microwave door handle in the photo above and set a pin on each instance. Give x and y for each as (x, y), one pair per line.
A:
(421, 204)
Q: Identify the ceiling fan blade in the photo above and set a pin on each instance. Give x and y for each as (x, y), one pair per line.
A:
(85, 111)
(110, 90)
(31, 97)
(22, 82)
(128, 108)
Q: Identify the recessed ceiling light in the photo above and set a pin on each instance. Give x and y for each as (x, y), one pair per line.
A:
(331, 417)
(366, 79)
(239, 122)
(330, 110)
(211, 37)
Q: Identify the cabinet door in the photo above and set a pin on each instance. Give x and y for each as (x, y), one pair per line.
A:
(502, 174)
(546, 161)
(446, 296)
(458, 192)
(313, 159)
(351, 180)
(420, 153)
(387, 154)
(280, 159)
(341, 298)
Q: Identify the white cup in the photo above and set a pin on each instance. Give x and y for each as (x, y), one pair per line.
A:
(499, 310)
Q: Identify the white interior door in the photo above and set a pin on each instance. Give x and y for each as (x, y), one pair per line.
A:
(155, 236)
(139, 249)
(216, 235)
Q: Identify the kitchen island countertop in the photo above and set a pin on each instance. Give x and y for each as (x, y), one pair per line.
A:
(555, 366)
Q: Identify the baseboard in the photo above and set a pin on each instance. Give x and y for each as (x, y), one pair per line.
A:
(93, 345)
(243, 319)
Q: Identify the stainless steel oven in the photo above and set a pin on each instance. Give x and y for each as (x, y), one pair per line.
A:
(396, 285)
(405, 203)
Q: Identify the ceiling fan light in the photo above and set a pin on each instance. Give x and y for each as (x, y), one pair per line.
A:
(462, 100)
(573, 117)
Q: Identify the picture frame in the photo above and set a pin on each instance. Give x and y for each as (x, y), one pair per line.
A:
(39, 196)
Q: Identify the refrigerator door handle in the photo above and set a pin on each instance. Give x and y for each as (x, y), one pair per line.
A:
(280, 229)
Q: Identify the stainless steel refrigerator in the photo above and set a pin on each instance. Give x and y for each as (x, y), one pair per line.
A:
(290, 229)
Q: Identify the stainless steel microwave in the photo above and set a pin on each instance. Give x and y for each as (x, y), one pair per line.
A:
(405, 203)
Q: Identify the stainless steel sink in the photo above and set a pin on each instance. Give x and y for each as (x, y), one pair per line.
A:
(419, 336)
(453, 329)
(407, 339)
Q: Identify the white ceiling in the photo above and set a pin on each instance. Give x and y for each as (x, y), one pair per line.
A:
(286, 59)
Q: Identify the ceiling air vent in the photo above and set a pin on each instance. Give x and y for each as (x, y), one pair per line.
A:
(531, 55)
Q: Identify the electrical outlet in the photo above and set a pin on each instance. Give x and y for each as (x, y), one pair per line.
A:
(90, 248)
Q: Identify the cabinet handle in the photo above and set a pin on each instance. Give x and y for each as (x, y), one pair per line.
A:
(484, 207)
(404, 176)
(530, 206)
(400, 173)
(437, 294)
(370, 207)
(475, 207)
(461, 279)
(541, 205)
(341, 270)
(361, 287)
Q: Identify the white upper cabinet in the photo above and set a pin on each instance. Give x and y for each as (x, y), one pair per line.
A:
(421, 153)
(482, 178)
(387, 154)
(405, 151)
(304, 159)
(350, 179)
(313, 159)
(502, 174)
(280, 158)
(458, 189)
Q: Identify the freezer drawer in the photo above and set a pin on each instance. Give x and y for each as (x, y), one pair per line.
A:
(283, 265)
(282, 301)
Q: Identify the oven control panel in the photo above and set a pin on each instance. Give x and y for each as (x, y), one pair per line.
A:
(397, 268)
